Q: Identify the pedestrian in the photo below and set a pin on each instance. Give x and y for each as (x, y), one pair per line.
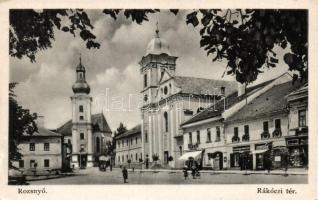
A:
(111, 167)
(193, 170)
(125, 174)
(185, 172)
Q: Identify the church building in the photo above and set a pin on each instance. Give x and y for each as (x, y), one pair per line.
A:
(85, 135)
(169, 100)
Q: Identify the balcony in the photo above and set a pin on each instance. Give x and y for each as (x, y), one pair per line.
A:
(193, 146)
(235, 139)
(265, 135)
(277, 133)
(246, 138)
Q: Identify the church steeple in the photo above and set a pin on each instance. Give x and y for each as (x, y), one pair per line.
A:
(80, 86)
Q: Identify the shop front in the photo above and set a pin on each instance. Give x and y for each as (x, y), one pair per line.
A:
(216, 160)
(261, 156)
(298, 151)
(241, 158)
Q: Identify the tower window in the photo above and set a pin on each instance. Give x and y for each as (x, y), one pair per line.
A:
(190, 138)
(97, 144)
(81, 109)
(146, 137)
(145, 80)
(302, 118)
(82, 136)
(165, 115)
(165, 90)
(81, 118)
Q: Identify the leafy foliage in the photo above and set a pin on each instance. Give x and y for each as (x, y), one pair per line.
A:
(21, 122)
(246, 39)
(31, 31)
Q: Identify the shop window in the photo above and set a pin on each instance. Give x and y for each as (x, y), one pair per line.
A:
(82, 136)
(190, 138)
(198, 137)
(302, 118)
(21, 163)
(46, 163)
(81, 108)
(46, 146)
(246, 136)
(32, 147)
(165, 115)
(236, 138)
(218, 134)
(208, 135)
(33, 164)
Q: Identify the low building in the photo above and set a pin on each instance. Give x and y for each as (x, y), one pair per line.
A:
(128, 148)
(41, 151)
(297, 140)
(245, 124)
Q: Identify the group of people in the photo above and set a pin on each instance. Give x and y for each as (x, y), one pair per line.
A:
(194, 167)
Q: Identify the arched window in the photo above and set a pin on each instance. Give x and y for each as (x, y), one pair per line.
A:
(81, 109)
(180, 149)
(165, 115)
(97, 144)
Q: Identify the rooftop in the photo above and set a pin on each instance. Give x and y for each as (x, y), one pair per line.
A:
(99, 124)
(134, 130)
(43, 132)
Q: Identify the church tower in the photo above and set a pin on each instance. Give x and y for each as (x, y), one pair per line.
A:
(156, 60)
(82, 149)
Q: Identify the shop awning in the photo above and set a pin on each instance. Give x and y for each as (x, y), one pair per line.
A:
(279, 143)
(259, 151)
(193, 154)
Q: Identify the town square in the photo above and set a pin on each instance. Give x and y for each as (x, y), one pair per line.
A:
(158, 97)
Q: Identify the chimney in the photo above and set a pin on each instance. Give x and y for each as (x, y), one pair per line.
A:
(241, 89)
(40, 121)
(223, 91)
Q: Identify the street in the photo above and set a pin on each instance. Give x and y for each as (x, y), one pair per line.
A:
(94, 176)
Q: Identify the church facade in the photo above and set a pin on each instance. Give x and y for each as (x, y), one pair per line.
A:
(169, 100)
(85, 135)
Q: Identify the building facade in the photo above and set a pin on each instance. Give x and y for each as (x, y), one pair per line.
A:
(41, 152)
(86, 135)
(249, 126)
(169, 100)
(128, 148)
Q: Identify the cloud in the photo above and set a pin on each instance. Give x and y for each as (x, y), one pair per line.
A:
(112, 70)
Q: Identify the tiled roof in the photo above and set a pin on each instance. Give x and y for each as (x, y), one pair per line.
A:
(191, 85)
(270, 101)
(99, 124)
(43, 132)
(214, 111)
(135, 130)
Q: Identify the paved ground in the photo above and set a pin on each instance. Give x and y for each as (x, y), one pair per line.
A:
(94, 176)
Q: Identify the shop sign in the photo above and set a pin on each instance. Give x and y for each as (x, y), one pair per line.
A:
(292, 142)
(277, 158)
(241, 148)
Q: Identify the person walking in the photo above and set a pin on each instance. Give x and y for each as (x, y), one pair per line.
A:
(125, 174)
(185, 172)
(193, 171)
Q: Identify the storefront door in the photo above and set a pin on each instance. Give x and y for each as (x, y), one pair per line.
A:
(260, 161)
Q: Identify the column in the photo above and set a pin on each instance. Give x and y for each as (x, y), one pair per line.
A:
(160, 138)
(142, 140)
(150, 136)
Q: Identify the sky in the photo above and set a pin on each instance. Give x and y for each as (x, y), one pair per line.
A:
(45, 87)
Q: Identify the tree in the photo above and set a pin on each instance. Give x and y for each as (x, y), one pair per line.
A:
(121, 129)
(244, 38)
(21, 122)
